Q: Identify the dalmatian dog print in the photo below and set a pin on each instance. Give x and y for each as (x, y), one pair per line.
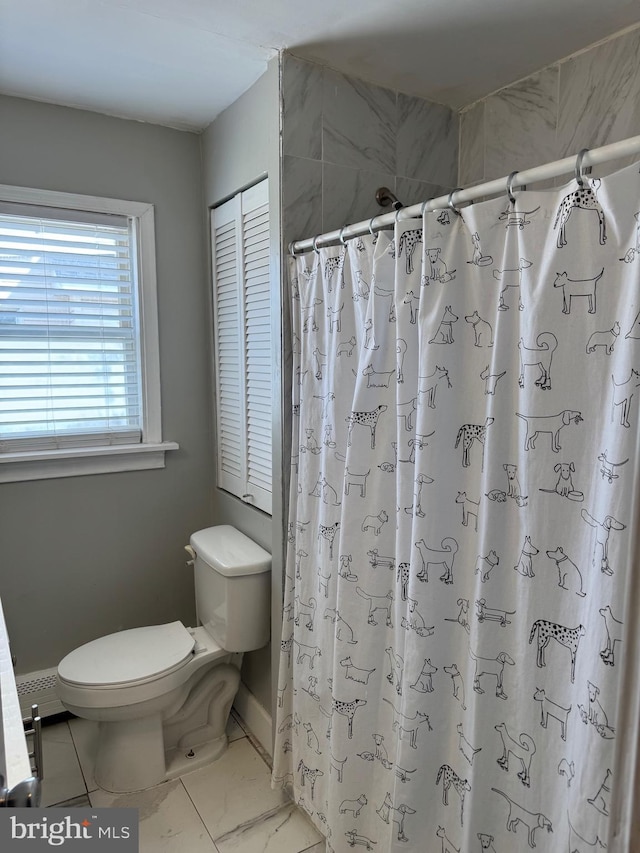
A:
(462, 496)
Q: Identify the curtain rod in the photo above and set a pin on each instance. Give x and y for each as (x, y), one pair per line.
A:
(586, 158)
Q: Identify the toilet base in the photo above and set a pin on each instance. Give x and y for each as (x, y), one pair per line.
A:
(179, 762)
(136, 754)
(130, 754)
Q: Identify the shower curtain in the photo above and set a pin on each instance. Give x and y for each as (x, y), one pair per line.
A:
(462, 519)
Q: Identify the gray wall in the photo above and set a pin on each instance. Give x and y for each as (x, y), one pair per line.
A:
(240, 147)
(343, 138)
(84, 556)
(584, 101)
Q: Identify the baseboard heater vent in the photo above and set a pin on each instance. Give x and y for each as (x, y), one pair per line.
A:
(39, 688)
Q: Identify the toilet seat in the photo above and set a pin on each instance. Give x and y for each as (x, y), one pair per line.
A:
(128, 658)
(156, 660)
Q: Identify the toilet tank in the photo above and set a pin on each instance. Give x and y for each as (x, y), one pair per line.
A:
(232, 588)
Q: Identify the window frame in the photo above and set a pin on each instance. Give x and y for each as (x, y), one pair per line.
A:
(149, 453)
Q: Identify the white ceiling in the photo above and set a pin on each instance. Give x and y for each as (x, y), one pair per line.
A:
(181, 62)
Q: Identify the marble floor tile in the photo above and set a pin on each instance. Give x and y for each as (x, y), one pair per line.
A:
(286, 830)
(85, 736)
(82, 802)
(168, 820)
(63, 778)
(227, 807)
(234, 790)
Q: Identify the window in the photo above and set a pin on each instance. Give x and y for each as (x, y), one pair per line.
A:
(243, 356)
(79, 378)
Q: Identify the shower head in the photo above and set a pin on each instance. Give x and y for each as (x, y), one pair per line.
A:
(385, 197)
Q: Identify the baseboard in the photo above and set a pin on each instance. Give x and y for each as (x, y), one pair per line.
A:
(39, 688)
(255, 716)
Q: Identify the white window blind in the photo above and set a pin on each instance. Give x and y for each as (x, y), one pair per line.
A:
(243, 354)
(70, 365)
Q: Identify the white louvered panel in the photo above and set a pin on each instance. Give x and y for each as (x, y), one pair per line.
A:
(228, 349)
(243, 350)
(257, 318)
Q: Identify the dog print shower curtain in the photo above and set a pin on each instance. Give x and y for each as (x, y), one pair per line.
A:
(462, 505)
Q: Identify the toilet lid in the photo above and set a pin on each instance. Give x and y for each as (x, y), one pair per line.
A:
(136, 655)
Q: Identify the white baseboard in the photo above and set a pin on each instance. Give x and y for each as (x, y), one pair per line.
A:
(256, 717)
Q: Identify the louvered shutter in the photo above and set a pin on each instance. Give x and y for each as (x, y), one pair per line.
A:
(240, 241)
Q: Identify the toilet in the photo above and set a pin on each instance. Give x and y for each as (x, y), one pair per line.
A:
(162, 694)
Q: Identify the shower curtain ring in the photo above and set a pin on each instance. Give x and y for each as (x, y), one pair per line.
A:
(450, 203)
(340, 237)
(579, 173)
(397, 215)
(423, 208)
(510, 180)
(315, 245)
(371, 231)
(291, 248)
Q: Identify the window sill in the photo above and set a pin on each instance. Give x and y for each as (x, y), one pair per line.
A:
(51, 464)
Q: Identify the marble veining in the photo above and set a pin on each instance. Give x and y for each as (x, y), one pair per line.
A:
(600, 95)
(415, 192)
(471, 169)
(427, 141)
(343, 138)
(520, 125)
(226, 807)
(302, 195)
(349, 195)
(358, 123)
(221, 791)
(284, 831)
(586, 101)
(168, 821)
(302, 108)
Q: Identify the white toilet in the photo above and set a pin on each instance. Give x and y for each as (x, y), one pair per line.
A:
(162, 694)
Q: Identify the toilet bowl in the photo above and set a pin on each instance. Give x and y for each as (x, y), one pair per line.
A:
(162, 694)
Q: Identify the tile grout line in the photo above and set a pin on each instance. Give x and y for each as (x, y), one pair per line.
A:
(75, 749)
(184, 788)
(255, 743)
(241, 724)
(267, 760)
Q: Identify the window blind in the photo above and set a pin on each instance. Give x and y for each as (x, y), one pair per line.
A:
(242, 297)
(69, 340)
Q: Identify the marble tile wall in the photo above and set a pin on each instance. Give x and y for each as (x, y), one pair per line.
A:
(584, 101)
(343, 138)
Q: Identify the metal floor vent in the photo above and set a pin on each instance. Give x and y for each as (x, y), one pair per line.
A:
(39, 688)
